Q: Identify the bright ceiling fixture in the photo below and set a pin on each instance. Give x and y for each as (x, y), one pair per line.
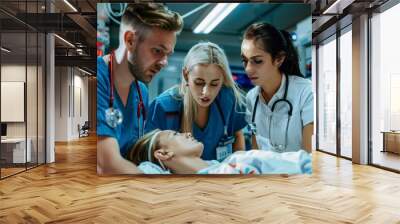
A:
(337, 7)
(5, 50)
(70, 5)
(65, 41)
(84, 71)
(217, 14)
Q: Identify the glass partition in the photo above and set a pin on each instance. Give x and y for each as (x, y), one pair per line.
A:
(327, 96)
(385, 89)
(346, 93)
(13, 104)
(41, 86)
(31, 99)
(22, 89)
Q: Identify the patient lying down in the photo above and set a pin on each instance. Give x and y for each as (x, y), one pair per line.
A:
(160, 152)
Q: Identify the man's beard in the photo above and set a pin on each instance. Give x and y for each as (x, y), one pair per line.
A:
(136, 68)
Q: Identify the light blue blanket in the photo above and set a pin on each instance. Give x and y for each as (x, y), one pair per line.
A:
(251, 162)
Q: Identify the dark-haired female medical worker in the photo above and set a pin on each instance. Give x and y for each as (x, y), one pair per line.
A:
(280, 108)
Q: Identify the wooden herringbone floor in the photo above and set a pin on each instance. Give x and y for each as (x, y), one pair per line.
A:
(69, 191)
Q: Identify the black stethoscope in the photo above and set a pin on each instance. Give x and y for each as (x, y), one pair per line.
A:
(225, 136)
(114, 116)
(224, 148)
(225, 139)
(253, 128)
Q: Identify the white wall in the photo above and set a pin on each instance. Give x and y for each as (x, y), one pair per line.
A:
(61, 103)
(79, 117)
(14, 73)
(71, 93)
(33, 126)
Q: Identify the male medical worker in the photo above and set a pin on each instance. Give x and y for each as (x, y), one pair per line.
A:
(147, 37)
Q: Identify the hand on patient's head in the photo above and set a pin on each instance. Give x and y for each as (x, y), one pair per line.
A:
(163, 154)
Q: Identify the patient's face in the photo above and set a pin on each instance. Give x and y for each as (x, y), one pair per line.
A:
(182, 144)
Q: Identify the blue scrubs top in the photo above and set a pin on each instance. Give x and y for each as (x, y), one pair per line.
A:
(166, 110)
(128, 132)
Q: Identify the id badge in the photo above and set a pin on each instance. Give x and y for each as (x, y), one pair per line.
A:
(223, 152)
(224, 148)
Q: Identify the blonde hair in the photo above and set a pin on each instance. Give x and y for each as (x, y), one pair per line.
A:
(205, 53)
(144, 148)
(144, 16)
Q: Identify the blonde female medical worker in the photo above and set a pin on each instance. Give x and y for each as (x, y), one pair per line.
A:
(208, 104)
(280, 108)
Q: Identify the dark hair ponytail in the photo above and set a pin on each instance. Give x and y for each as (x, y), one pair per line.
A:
(275, 43)
(291, 64)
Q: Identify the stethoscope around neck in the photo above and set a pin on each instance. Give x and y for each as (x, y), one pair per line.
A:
(219, 108)
(253, 127)
(226, 139)
(114, 116)
(223, 118)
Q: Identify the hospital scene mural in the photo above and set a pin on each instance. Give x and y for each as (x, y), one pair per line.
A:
(192, 89)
